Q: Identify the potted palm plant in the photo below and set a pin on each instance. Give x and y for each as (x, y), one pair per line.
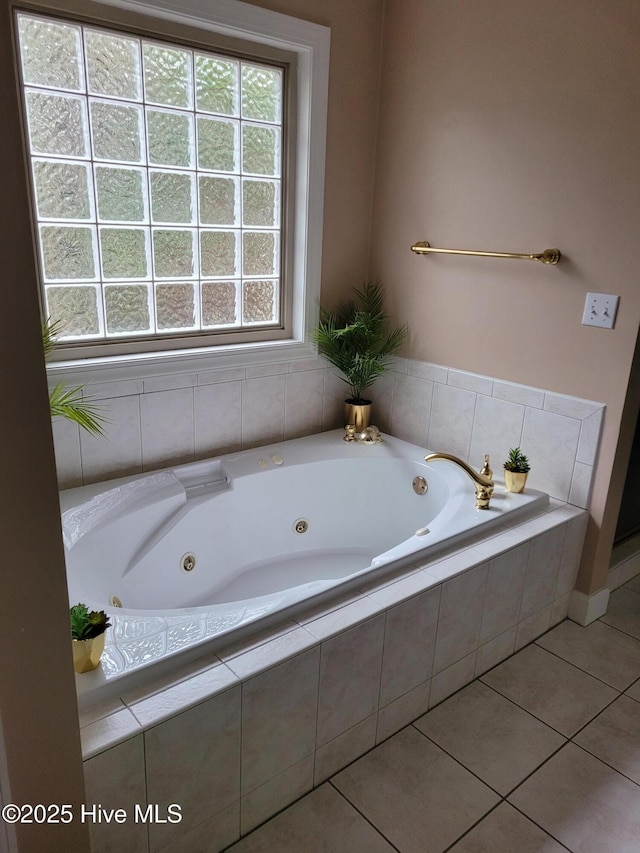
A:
(356, 339)
(516, 469)
(87, 635)
(66, 402)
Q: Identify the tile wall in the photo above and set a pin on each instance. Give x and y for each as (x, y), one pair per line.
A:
(315, 693)
(169, 420)
(270, 718)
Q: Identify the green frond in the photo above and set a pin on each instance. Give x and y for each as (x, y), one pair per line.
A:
(69, 403)
(371, 299)
(50, 331)
(355, 338)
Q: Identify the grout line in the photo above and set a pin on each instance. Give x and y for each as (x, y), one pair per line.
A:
(539, 767)
(473, 425)
(540, 720)
(358, 757)
(82, 476)
(522, 708)
(484, 781)
(535, 823)
(394, 375)
(633, 681)
(430, 415)
(315, 734)
(146, 784)
(471, 828)
(384, 645)
(526, 816)
(626, 633)
(503, 798)
(459, 762)
(626, 690)
(606, 763)
(259, 826)
(579, 668)
(240, 771)
(432, 660)
(362, 815)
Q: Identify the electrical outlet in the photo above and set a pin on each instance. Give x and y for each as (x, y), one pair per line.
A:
(600, 310)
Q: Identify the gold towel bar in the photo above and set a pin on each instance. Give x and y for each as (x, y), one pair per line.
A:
(549, 256)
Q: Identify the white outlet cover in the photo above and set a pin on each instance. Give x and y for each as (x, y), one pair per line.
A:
(600, 310)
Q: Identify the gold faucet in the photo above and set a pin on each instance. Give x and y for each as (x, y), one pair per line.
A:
(484, 485)
(369, 435)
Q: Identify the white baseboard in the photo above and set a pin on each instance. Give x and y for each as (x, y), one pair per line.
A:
(585, 609)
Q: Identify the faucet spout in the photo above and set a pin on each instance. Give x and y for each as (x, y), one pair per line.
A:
(483, 485)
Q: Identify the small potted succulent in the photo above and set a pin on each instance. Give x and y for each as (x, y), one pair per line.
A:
(356, 339)
(87, 634)
(516, 469)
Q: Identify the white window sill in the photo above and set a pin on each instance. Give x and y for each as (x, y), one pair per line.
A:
(148, 365)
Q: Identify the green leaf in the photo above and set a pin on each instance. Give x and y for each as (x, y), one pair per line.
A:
(50, 331)
(355, 338)
(79, 615)
(86, 624)
(69, 403)
(517, 461)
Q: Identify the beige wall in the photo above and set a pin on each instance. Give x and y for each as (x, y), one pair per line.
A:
(514, 127)
(354, 77)
(37, 696)
(37, 691)
(502, 125)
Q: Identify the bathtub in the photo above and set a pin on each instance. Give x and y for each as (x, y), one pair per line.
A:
(204, 552)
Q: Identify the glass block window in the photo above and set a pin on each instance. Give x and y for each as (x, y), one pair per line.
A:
(157, 178)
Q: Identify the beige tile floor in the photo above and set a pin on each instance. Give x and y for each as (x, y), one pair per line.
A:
(539, 755)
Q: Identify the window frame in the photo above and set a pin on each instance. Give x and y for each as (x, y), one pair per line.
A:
(267, 32)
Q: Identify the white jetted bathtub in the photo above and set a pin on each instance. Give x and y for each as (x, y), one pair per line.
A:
(188, 555)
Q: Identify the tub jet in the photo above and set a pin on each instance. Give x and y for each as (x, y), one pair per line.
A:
(188, 562)
(419, 485)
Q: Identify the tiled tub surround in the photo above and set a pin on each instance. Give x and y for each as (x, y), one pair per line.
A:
(170, 420)
(248, 731)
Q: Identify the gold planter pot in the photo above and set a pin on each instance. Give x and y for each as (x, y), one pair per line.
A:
(358, 414)
(514, 481)
(87, 653)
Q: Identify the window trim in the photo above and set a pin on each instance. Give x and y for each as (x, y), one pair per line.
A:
(310, 43)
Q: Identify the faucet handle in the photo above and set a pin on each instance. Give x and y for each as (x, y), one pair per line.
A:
(486, 468)
(369, 435)
(373, 434)
(349, 433)
(488, 473)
